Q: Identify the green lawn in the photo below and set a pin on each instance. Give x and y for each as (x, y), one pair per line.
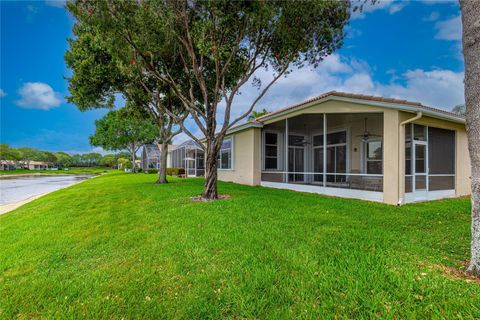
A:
(119, 246)
(83, 170)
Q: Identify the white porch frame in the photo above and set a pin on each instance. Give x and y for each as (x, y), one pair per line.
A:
(329, 191)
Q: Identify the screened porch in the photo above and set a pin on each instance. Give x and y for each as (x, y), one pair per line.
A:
(429, 163)
(326, 152)
(189, 156)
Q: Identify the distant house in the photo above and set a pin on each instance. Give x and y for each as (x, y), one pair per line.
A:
(36, 165)
(150, 157)
(7, 165)
(30, 165)
(189, 156)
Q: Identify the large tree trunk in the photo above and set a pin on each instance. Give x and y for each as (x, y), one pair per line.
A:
(162, 170)
(471, 52)
(133, 160)
(210, 189)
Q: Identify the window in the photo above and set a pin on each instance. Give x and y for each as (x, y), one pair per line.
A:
(225, 156)
(373, 157)
(337, 138)
(419, 132)
(271, 151)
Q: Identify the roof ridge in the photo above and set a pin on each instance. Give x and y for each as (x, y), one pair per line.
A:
(358, 96)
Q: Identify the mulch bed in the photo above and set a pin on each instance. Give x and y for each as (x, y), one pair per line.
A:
(220, 197)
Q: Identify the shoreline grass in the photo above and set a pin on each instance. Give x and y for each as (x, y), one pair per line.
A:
(120, 246)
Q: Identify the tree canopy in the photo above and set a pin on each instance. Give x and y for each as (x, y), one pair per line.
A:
(219, 46)
(124, 129)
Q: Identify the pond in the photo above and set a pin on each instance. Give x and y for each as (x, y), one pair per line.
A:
(20, 188)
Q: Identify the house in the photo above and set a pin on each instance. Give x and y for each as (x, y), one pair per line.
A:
(36, 165)
(350, 145)
(8, 165)
(188, 156)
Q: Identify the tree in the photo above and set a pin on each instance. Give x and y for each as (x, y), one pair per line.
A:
(28, 154)
(109, 160)
(124, 163)
(459, 109)
(7, 153)
(122, 154)
(63, 159)
(91, 159)
(221, 46)
(471, 53)
(124, 129)
(100, 71)
(48, 157)
(256, 114)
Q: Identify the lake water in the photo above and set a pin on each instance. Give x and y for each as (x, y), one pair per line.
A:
(14, 189)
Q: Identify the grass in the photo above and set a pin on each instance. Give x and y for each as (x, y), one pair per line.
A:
(79, 170)
(119, 246)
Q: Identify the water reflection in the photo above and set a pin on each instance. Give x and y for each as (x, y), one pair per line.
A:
(14, 189)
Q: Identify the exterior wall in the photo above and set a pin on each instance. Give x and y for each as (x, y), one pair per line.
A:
(246, 158)
(391, 163)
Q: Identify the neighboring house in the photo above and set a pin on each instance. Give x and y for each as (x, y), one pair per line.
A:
(8, 165)
(30, 165)
(36, 165)
(150, 157)
(349, 145)
(188, 156)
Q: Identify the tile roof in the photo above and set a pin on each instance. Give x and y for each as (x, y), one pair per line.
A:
(361, 97)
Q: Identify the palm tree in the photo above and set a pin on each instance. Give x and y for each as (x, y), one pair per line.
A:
(257, 114)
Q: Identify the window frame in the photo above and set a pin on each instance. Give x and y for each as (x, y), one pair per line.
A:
(219, 159)
(277, 145)
(365, 158)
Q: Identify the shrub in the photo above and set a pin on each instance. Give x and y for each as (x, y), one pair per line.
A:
(175, 171)
(152, 170)
(171, 171)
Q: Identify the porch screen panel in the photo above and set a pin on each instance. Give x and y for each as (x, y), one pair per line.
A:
(200, 163)
(353, 151)
(441, 159)
(273, 152)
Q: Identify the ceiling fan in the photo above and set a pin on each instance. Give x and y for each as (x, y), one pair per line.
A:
(366, 134)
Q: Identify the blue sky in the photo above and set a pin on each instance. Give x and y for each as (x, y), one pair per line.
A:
(408, 50)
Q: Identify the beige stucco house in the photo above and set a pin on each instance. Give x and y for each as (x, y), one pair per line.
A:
(356, 146)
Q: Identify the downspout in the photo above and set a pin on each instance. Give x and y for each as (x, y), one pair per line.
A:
(401, 192)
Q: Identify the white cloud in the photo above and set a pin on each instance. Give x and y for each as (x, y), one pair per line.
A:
(432, 16)
(391, 6)
(56, 3)
(100, 150)
(397, 7)
(436, 88)
(450, 29)
(2, 93)
(440, 88)
(38, 95)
